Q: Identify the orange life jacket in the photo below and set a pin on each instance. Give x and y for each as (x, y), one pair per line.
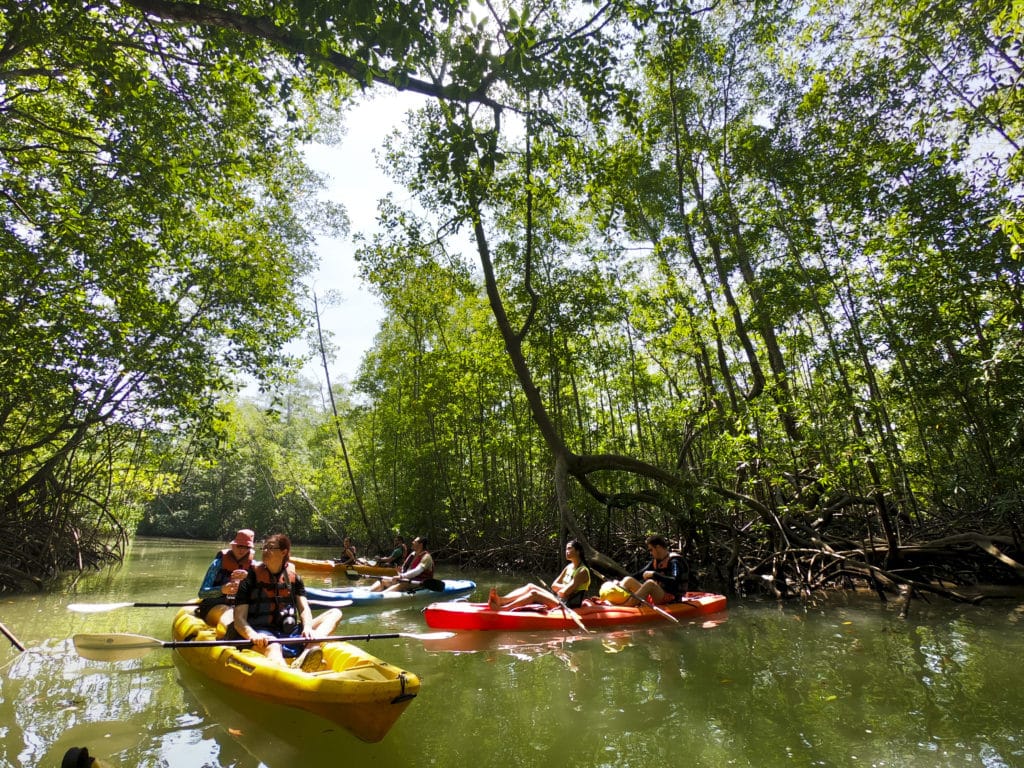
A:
(229, 563)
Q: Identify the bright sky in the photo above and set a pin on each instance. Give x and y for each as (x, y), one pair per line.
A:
(357, 182)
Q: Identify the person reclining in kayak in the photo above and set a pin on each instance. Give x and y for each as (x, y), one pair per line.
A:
(271, 602)
(227, 570)
(418, 567)
(665, 579)
(570, 586)
(349, 556)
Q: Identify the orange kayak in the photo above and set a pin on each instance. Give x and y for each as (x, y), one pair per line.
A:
(330, 566)
(593, 613)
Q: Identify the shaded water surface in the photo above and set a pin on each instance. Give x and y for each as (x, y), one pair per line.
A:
(845, 683)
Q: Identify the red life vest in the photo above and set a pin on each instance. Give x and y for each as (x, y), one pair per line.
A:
(416, 561)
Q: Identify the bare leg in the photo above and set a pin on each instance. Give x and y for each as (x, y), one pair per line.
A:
(496, 601)
(324, 624)
(221, 617)
(529, 595)
(382, 583)
(642, 591)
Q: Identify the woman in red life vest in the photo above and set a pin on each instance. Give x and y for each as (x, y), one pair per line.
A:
(271, 602)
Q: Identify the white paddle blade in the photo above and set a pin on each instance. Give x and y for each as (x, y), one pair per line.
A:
(328, 603)
(114, 647)
(97, 607)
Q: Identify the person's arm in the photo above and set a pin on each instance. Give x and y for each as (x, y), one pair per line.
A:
(580, 580)
(305, 616)
(675, 577)
(563, 584)
(645, 573)
(241, 616)
(426, 564)
(210, 588)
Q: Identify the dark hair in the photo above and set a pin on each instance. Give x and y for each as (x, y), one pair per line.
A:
(657, 540)
(578, 546)
(279, 540)
(422, 540)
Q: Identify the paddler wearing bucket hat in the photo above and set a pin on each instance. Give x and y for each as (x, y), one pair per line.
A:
(220, 584)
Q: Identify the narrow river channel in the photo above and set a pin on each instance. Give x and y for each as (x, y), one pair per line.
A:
(839, 683)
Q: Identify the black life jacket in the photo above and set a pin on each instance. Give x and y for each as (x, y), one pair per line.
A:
(272, 603)
(675, 586)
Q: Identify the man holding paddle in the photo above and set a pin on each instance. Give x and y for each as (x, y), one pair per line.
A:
(665, 578)
(420, 570)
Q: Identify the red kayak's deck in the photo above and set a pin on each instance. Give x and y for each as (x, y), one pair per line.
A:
(593, 613)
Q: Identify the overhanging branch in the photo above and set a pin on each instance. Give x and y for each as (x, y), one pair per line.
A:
(264, 28)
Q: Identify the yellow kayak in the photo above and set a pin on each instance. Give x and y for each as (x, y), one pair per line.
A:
(354, 689)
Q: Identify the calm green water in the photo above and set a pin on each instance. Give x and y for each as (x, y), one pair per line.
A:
(845, 684)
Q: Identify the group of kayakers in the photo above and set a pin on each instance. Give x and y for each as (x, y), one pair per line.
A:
(261, 599)
(350, 555)
(665, 579)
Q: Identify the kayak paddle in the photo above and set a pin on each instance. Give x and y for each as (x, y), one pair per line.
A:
(566, 609)
(121, 647)
(10, 636)
(434, 585)
(572, 614)
(328, 603)
(662, 611)
(104, 607)
(641, 601)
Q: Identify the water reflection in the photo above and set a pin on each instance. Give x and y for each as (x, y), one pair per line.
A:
(837, 684)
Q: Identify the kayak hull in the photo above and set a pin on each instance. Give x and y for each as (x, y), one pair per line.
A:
(593, 614)
(362, 596)
(329, 566)
(354, 689)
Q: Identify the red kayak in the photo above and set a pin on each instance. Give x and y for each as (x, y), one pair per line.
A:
(593, 613)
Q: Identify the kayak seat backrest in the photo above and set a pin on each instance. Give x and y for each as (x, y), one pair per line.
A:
(340, 659)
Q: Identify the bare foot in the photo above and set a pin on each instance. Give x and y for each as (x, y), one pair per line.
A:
(493, 601)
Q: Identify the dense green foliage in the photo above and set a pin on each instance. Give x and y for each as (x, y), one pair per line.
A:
(154, 234)
(743, 274)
